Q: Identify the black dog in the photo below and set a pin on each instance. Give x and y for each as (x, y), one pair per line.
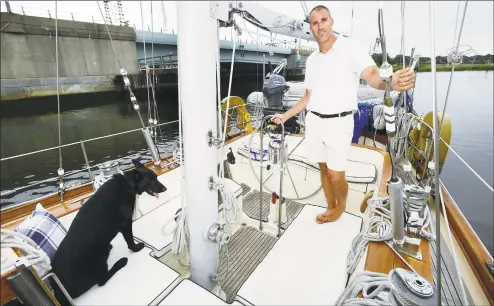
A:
(81, 259)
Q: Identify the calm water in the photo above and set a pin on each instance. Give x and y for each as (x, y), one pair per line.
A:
(24, 129)
(470, 107)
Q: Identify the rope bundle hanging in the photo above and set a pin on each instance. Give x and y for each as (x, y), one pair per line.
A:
(378, 115)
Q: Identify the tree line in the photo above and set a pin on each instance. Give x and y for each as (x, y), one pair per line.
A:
(440, 60)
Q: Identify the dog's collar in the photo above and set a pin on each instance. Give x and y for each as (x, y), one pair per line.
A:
(136, 187)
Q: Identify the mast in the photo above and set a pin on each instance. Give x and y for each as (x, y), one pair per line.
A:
(196, 46)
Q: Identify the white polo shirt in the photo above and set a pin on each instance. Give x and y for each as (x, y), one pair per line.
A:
(333, 77)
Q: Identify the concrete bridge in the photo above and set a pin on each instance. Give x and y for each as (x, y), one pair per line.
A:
(247, 56)
(87, 63)
(86, 60)
(165, 45)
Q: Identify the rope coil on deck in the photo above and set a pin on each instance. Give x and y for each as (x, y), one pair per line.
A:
(380, 289)
(378, 227)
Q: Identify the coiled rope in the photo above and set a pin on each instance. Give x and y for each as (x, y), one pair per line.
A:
(378, 227)
(377, 289)
(378, 116)
(37, 257)
(404, 122)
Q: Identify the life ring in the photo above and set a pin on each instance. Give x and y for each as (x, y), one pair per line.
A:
(243, 116)
(425, 142)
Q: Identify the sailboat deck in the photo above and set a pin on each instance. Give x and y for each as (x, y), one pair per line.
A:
(307, 263)
(307, 255)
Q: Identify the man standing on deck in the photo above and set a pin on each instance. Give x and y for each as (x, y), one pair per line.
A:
(331, 81)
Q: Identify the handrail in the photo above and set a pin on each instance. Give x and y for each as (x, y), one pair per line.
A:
(38, 12)
(84, 168)
(161, 60)
(78, 142)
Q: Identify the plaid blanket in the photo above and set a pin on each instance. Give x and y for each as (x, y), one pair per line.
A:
(44, 229)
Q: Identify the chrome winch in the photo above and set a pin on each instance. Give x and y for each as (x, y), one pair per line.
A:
(274, 152)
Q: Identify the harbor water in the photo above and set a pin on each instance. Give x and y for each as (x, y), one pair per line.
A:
(30, 125)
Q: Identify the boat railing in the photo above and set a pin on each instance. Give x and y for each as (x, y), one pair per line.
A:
(457, 155)
(69, 173)
(175, 121)
(87, 167)
(162, 62)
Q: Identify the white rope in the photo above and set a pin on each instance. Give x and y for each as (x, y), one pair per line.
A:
(377, 289)
(377, 228)
(180, 232)
(378, 115)
(230, 203)
(404, 121)
(37, 257)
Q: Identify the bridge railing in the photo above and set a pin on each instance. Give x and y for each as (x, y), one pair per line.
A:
(162, 62)
(50, 13)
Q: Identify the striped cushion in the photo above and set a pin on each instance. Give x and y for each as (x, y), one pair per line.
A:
(44, 229)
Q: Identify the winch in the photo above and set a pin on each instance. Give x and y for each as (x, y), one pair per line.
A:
(411, 289)
(109, 168)
(274, 152)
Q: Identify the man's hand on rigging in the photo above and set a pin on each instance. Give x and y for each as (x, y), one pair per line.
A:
(403, 79)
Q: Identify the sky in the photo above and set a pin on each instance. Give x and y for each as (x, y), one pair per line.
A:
(477, 34)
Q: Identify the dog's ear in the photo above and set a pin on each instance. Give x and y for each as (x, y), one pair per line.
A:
(137, 164)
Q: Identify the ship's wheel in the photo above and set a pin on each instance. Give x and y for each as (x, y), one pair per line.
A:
(301, 179)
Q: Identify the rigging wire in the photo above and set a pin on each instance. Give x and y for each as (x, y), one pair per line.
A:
(58, 92)
(218, 80)
(436, 143)
(351, 29)
(60, 170)
(436, 150)
(109, 35)
(453, 64)
(145, 63)
(123, 72)
(155, 105)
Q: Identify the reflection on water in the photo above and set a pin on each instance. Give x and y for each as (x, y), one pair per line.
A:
(32, 124)
(30, 133)
(470, 108)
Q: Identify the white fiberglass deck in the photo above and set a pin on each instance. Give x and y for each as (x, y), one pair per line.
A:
(189, 293)
(140, 282)
(307, 265)
(151, 228)
(306, 179)
(171, 180)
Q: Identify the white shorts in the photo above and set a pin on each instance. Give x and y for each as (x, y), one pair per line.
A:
(328, 140)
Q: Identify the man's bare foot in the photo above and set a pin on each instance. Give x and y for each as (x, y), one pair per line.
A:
(329, 215)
